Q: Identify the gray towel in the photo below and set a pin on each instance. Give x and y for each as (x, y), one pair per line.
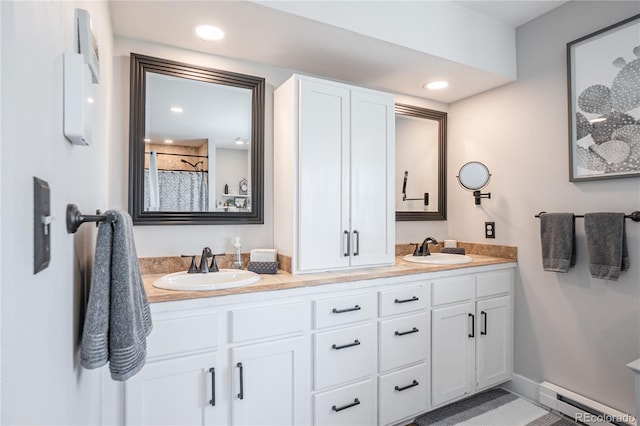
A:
(118, 320)
(558, 240)
(606, 244)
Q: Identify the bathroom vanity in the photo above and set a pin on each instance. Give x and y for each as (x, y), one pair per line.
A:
(373, 346)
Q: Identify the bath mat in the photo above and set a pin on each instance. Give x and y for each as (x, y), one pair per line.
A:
(495, 407)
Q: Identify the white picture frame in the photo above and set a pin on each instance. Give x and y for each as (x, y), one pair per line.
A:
(88, 43)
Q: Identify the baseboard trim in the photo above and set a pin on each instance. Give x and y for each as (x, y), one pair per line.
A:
(524, 387)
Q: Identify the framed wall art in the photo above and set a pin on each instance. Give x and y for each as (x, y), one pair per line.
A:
(604, 103)
(88, 44)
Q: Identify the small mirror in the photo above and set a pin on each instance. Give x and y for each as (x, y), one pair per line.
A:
(196, 144)
(474, 176)
(420, 163)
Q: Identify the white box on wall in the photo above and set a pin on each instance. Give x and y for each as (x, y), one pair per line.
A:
(78, 99)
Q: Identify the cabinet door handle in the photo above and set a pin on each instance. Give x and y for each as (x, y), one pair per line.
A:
(347, 244)
(413, 299)
(400, 389)
(241, 374)
(473, 326)
(402, 333)
(355, 402)
(348, 345)
(484, 315)
(356, 238)
(342, 311)
(213, 387)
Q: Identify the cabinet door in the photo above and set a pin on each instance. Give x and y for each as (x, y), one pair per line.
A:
(270, 384)
(178, 391)
(323, 170)
(494, 341)
(452, 352)
(372, 171)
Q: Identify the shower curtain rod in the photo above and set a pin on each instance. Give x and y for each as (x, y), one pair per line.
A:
(174, 170)
(179, 155)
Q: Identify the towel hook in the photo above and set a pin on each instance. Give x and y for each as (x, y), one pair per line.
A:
(75, 218)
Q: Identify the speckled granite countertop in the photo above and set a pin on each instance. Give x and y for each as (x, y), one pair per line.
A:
(284, 280)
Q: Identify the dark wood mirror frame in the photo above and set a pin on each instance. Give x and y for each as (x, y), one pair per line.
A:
(441, 118)
(140, 65)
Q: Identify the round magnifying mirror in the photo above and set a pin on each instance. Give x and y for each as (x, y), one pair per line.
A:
(474, 175)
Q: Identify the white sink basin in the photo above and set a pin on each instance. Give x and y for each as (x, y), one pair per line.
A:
(225, 278)
(439, 259)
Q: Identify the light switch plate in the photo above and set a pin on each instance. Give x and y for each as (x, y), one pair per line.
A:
(41, 225)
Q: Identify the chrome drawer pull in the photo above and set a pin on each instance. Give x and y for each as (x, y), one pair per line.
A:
(400, 389)
(413, 299)
(342, 311)
(402, 333)
(348, 345)
(344, 407)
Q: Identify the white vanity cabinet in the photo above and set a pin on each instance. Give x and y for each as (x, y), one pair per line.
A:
(333, 182)
(182, 380)
(403, 365)
(472, 334)
(373, 352)
(344, 359)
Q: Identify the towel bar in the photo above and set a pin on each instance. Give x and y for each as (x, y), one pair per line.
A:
(634, 216)
(75, 218)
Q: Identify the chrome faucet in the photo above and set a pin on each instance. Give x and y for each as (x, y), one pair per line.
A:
(423, 249)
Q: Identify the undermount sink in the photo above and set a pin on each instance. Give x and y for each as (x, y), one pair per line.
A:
(225, 278)
(439, 259)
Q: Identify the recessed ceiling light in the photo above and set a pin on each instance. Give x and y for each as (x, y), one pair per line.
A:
(147, 140)
(239, 141)
(168, 141)
(209, 32)
(435, 85)
(176, 109)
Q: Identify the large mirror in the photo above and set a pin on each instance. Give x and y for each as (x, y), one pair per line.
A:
(421, 185)
(196, 144)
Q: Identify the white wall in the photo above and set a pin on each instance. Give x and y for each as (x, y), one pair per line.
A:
(42, 381)
(570, 329)
(230, 167)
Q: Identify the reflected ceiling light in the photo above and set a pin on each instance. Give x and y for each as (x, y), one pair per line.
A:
(176, 109)
(168, 141)
(147, 140)
(209, 32)
(239, 141)
(435, 85)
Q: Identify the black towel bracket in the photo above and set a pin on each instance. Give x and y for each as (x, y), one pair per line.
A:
(634, 216)
(75, 218)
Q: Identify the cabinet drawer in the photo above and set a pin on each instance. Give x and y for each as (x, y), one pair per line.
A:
(492, 283)
(266, 321)
(344, 355)
(349, 405)
(403, 300)
(178, 333)
(403, 393)
(344, 310)
(403, 341)
(452, 290)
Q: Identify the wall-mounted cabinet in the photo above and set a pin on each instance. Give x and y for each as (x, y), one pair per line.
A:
(333, 181)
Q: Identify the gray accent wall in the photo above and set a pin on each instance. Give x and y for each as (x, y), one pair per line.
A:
(571, 330)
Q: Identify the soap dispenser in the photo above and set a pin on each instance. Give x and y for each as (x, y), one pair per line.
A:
(237, 264)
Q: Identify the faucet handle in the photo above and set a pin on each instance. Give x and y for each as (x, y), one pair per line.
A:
(417, 251)
(214, 265)
(192, 268)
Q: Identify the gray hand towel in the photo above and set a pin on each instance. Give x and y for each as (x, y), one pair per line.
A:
(606, 244)
(558, 240)
(118, 319)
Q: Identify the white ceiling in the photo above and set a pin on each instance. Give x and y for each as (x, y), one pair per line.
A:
(265, 35)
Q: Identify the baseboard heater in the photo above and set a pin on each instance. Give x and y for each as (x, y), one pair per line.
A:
(582, 409)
